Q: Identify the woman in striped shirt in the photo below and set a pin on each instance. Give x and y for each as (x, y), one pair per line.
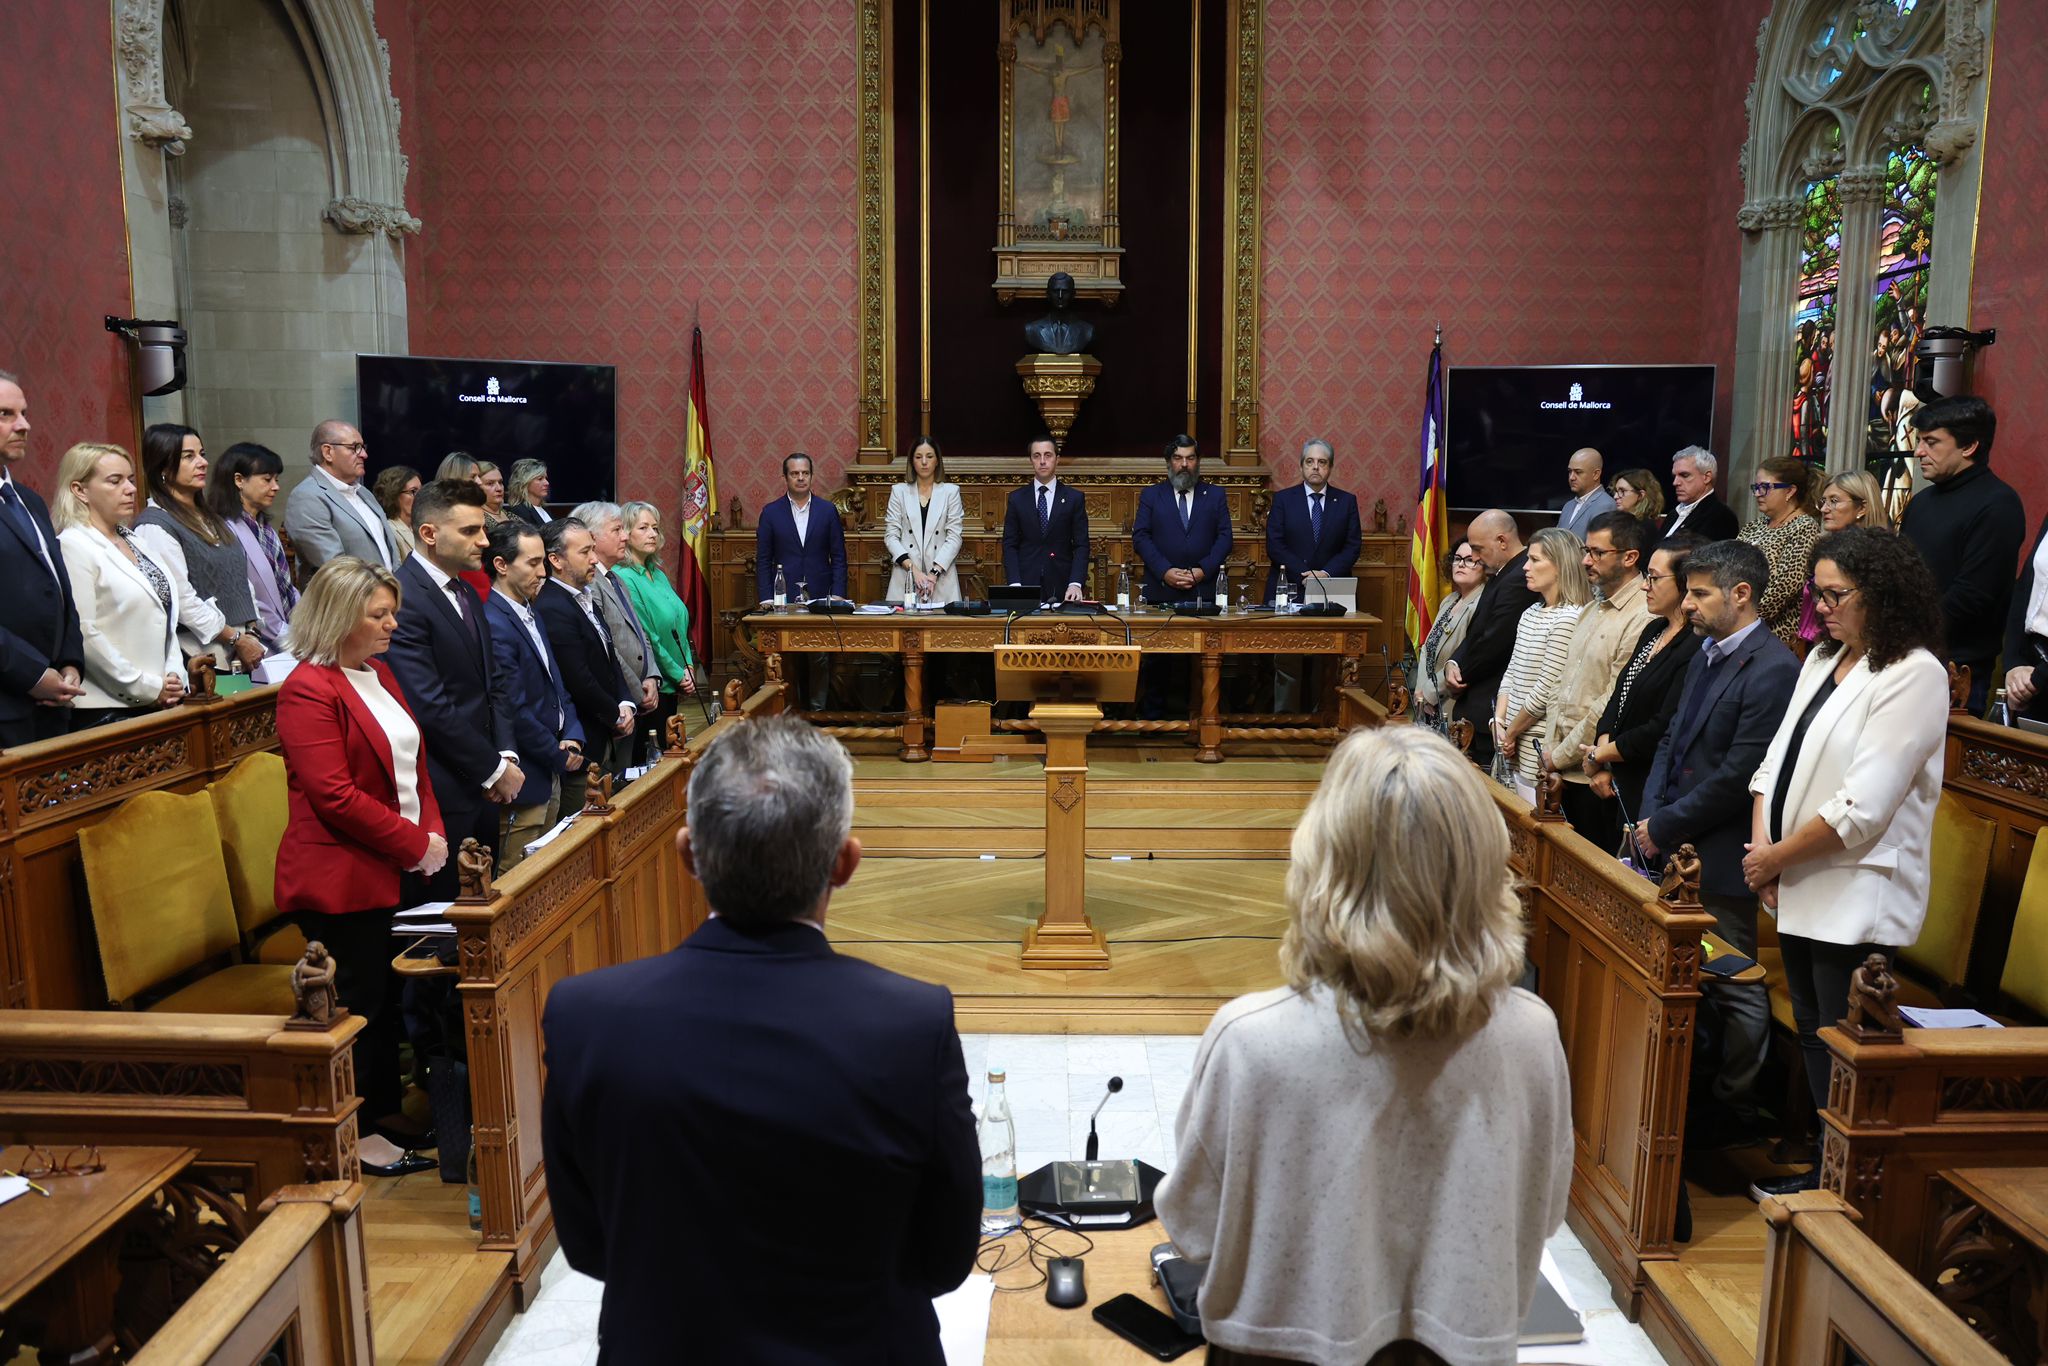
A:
(1556, 570)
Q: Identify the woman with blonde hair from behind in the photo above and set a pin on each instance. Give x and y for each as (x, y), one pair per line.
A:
(1400, 1109)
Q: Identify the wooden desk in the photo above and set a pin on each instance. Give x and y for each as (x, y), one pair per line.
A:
(1989, 1256)
(1712, 947)
(60, 1255)
(914, 636)
(1023, 1330)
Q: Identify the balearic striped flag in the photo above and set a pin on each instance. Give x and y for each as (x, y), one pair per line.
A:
(1432, 521)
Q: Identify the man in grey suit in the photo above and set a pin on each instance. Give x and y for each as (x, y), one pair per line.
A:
(330, 513)
(1589, 497)
(607, 529)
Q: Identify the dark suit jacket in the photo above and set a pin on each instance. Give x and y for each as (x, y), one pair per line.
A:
(818, 562)
(590, 668)
(1288, 540)
(1652, 704)
(459, 697)
(1489, 641)
(1157, 536)
(38, 621)
(1698, 789)
(1057, 558)
(691, 1179)
(537, 692)
(1712, 519)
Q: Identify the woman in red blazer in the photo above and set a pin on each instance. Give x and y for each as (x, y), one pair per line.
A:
(362, 812)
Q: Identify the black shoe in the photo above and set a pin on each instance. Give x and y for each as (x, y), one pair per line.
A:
(406, 1165)
(1785, 1185)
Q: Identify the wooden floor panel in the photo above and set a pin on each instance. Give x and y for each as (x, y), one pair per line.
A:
(430, 1286)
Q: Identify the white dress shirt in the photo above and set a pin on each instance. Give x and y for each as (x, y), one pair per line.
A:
(371, 518)
(400, 730)
(801, 515)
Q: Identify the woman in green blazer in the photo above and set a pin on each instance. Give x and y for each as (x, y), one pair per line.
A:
(662, 613)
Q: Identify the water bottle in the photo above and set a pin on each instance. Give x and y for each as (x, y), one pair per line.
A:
(1123, 588)
(781, 590)
(998, 1136)
(1222, 588)
(476, 1195)
(2001, 714)
(1284, 599)
(910, 593)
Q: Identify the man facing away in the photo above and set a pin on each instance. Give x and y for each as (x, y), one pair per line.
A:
(42, 652)
(1045, 530)
(1590, 497)
(1475, 671)
(331, 513)
(1735, 694)
(1698, 510)
(545, 730)
(710, 1113)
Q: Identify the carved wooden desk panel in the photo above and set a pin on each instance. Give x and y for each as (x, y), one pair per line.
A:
(2000, 773)
(1988, 1259)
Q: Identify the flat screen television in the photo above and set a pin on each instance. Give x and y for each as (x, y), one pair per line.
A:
(1509, 429)
(414, 410)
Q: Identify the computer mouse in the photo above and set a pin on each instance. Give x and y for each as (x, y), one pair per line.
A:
(1065, 1287)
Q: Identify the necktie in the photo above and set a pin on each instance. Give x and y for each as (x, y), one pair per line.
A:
(1315, 517)
(1181, 501)
(1044, 509)
(18, 514)
(456, 591)
(597, 620)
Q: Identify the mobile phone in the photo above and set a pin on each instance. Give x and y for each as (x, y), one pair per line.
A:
(1145, 1328)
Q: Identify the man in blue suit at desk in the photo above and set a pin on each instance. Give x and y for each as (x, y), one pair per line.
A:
(1045, 530)
(803, 536)
(1312, 529)
(1182, 531)
(545, 730)
(706, 1107)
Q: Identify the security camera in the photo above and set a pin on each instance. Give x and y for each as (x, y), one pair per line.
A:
(159, 353)
(1941, 361)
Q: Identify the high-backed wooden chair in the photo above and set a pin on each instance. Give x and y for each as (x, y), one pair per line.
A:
(2025, 981)
(250, 804)
(162, 908)
(1961, 865)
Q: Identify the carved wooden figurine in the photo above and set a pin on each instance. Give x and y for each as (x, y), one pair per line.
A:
(1681, 885)
(678, 732)
(1550, 800)
(199, 675)
(473, 872)
(313, 990)
(1873, 1014)
(1461, 735)
(734, 696)
(1379, 515)
(597, 797)
(1397, 694)
(1959, 689)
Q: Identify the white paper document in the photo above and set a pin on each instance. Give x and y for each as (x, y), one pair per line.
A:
(553, 834)
(1923, 1017)
(12, 1186)
(426, 910)
(963, 1320)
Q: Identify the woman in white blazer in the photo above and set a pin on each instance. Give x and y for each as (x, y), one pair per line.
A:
(1844, 801)
(127, 603)
(923, 530)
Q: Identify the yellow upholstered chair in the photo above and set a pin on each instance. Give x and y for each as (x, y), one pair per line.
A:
(251, 805)
(162, 908)
(2025, 979)
(1961, 865)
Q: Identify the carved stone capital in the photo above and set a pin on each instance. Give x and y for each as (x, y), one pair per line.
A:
(1767, 215)
(159, 126)
(1948, 139)
(1862, 185)
(352, 215)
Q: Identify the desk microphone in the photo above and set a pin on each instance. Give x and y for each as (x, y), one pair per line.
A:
(1325, 608)
(1116, 1084)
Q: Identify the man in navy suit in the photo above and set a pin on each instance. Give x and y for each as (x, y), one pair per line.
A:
(41, 652)
(1182, 531)
(809, 1081)
(586, 652)
(803, 535)
(1045, 530)
(545, 730)
(441, 656)
(1735, 693)
(1312, 528)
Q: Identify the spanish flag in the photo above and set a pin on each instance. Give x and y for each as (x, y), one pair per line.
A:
(1432, 521)
(700, 499)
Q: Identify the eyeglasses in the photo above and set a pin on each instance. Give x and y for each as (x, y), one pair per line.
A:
(1653, 579)
(1833, 596)
(1596, 550)
(352, 447)
(1761, 489)
(1466, 559)
(1836, 500)
(82, 1160)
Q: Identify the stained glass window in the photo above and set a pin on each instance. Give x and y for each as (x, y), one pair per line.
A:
(1813, 319)
(1899, 297)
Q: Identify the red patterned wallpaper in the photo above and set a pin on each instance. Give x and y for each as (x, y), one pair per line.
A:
(2009, 289)
(591, 177)
(1730, 65)
(1530, 176)
(63, 236)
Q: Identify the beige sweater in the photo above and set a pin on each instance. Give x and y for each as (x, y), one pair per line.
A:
(1345, 1200)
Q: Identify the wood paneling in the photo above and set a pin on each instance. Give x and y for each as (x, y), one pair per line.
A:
(2000, 773)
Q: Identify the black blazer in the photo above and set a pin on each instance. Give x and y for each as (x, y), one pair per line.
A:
(1698, 789)
(38, 620)
(1652, 704)
(1489, 641)
(444, 665)
(804, 1092)
(590, 667)
(1712, 519)
(1055, 559)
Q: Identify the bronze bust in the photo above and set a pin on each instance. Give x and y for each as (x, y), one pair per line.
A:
(1060, 333)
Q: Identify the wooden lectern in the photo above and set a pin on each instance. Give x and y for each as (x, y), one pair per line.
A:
(1065, 683)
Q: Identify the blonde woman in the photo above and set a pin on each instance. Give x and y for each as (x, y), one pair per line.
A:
(493, 480)
(924, 527)
(528, 496)
(1556, 573)
(127, 603)
(1640, 495)
(1399, 1107)
(663, 613)
(1853, 498)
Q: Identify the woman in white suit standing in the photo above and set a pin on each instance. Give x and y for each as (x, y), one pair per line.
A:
(127, 602)
(1844, 801)
(923, 530)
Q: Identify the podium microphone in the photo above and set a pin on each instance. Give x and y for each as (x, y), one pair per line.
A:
(1116, 1084)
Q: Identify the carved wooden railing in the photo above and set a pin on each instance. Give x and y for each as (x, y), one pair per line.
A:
(2000, 773)
(266, 1106)
(298, 1286)
(1901, 1112)
(1620, 968)
(52, 789)
(1827, 1286)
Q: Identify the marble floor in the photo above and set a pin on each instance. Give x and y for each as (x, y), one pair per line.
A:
(1054, 1081)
